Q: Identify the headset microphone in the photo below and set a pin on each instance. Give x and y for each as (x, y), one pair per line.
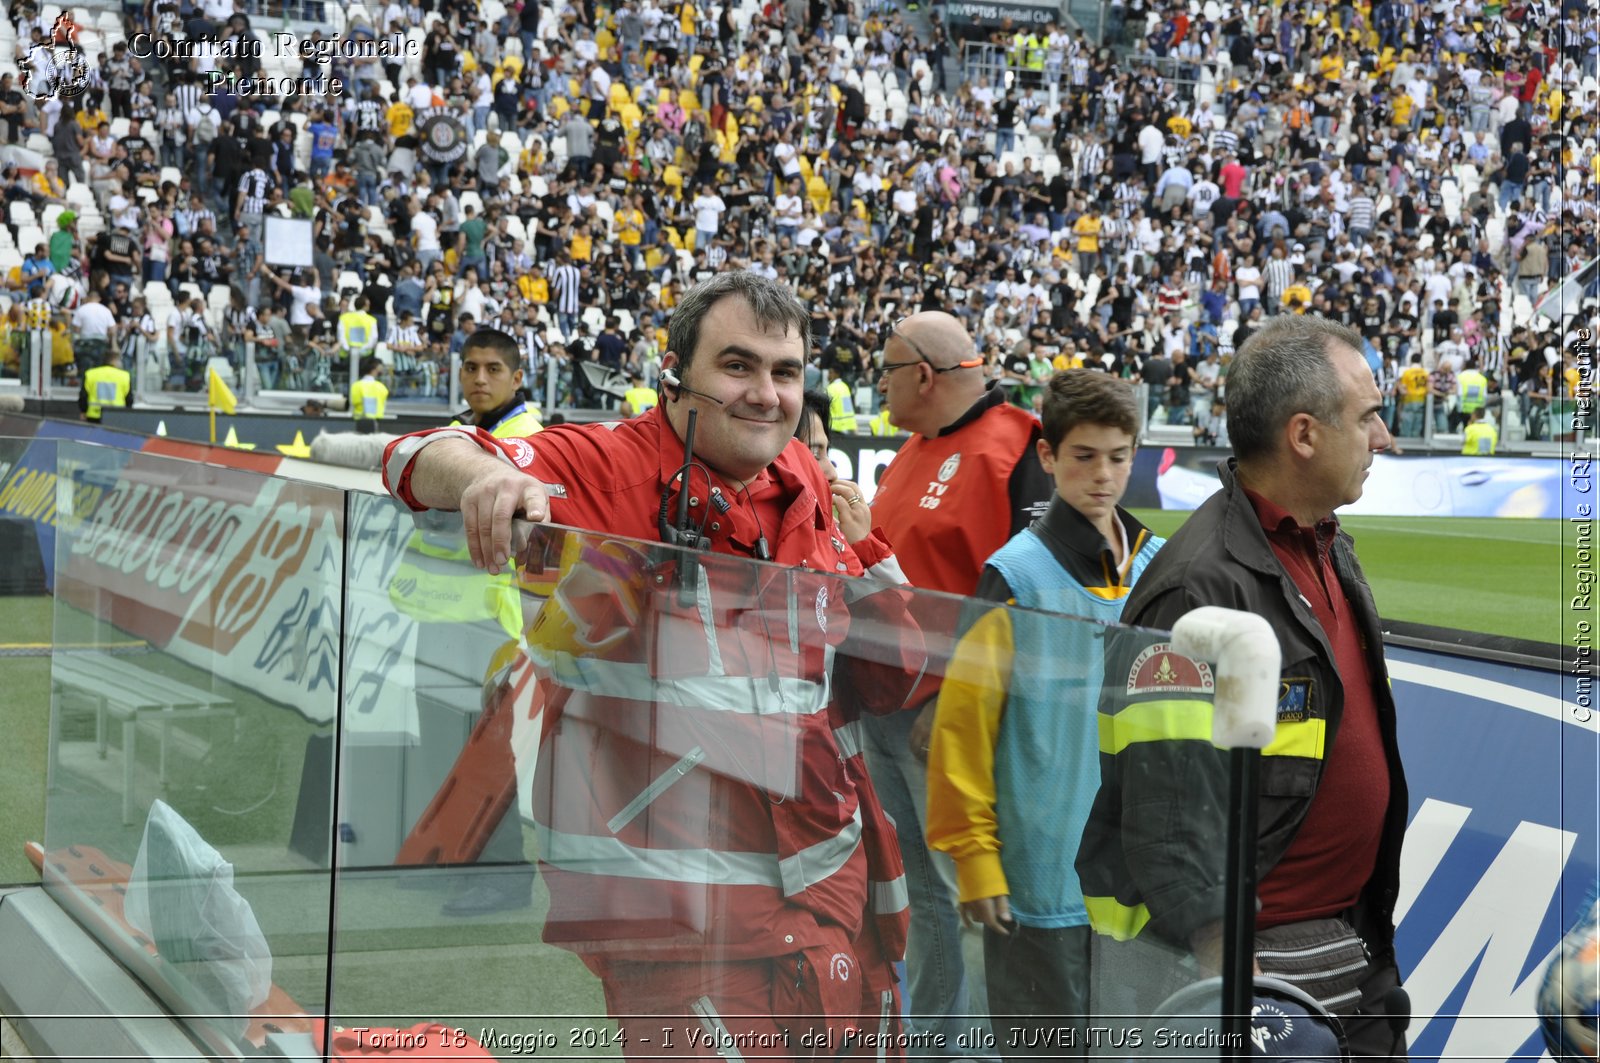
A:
(670, 379)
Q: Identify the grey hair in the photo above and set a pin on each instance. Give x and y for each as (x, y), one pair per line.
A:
(772, 303)
(1283, 369)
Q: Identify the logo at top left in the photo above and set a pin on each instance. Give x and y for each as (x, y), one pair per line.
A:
(57, 67)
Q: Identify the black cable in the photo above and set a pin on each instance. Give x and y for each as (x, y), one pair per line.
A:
(683, 472)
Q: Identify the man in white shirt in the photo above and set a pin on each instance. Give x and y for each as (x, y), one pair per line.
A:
(472, 300)
(789, 210)
(419, 97)
(301, 296)
(905, 203)
(94, 328)
(1248, 278)
(424, 239)
(598, 84)
(582, 200)
(1437, 285)
(787, 156)
(1202, 194)
(1150, 144)
(1451, 354)
(708, 210)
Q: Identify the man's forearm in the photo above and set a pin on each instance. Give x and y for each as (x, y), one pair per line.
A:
(443, 469)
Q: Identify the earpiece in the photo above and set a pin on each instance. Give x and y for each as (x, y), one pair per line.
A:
(670, 379)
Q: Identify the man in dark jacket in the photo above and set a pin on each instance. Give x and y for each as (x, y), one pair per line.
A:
(1304, 416)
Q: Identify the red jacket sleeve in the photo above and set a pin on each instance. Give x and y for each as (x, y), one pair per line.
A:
(400, 456)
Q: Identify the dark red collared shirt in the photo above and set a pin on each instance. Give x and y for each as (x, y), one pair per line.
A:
(1334, 854)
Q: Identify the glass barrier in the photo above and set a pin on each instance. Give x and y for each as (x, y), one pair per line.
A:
(636, 801)
(307, 764)
(193, 689)
(27, 521)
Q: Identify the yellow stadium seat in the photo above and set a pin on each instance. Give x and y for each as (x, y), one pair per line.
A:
(469, 62)
(754, 105)
(638, 90)
(688, 101)
(512, 65)
(689, 236)
(817, 191)
(672, 177)
(631, 117)
(559, 107)
(605, 40)
(805, 169)
(574, 88)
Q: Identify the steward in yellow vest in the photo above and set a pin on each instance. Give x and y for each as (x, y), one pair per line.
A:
(104, 385)
(368, 397)
(841, 403)
(358, 330)
(1473, 388)
(1481, 437)
(639, 399)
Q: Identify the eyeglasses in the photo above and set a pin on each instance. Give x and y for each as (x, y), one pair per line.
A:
(922, 356)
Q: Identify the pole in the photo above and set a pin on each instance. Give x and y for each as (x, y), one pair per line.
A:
(251, 381)
(212, 411)
(1239, 919)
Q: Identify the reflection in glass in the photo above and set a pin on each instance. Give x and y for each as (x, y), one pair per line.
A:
(197, 612)
(626, 784)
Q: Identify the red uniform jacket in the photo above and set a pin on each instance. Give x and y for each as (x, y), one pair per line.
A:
(700, 791)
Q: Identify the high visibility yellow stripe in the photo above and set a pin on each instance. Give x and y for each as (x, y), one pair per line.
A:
(1304, 739)
(1177, 721)
(1114, 919)
(1155, 721)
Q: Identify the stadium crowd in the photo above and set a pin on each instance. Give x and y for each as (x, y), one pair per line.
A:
(566, 171)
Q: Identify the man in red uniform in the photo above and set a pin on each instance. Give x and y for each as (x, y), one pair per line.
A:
(967, 480)
(712, 845)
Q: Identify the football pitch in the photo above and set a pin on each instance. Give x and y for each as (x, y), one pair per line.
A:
(1494, 576)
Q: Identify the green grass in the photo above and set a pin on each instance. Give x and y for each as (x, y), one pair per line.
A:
(26, 712)
(1495, 576)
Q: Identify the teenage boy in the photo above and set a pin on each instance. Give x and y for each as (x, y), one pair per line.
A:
(1014, 766)
(466, 615)
(491, 382)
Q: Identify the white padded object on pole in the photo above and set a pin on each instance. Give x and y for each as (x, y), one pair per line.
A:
(1248, 662)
